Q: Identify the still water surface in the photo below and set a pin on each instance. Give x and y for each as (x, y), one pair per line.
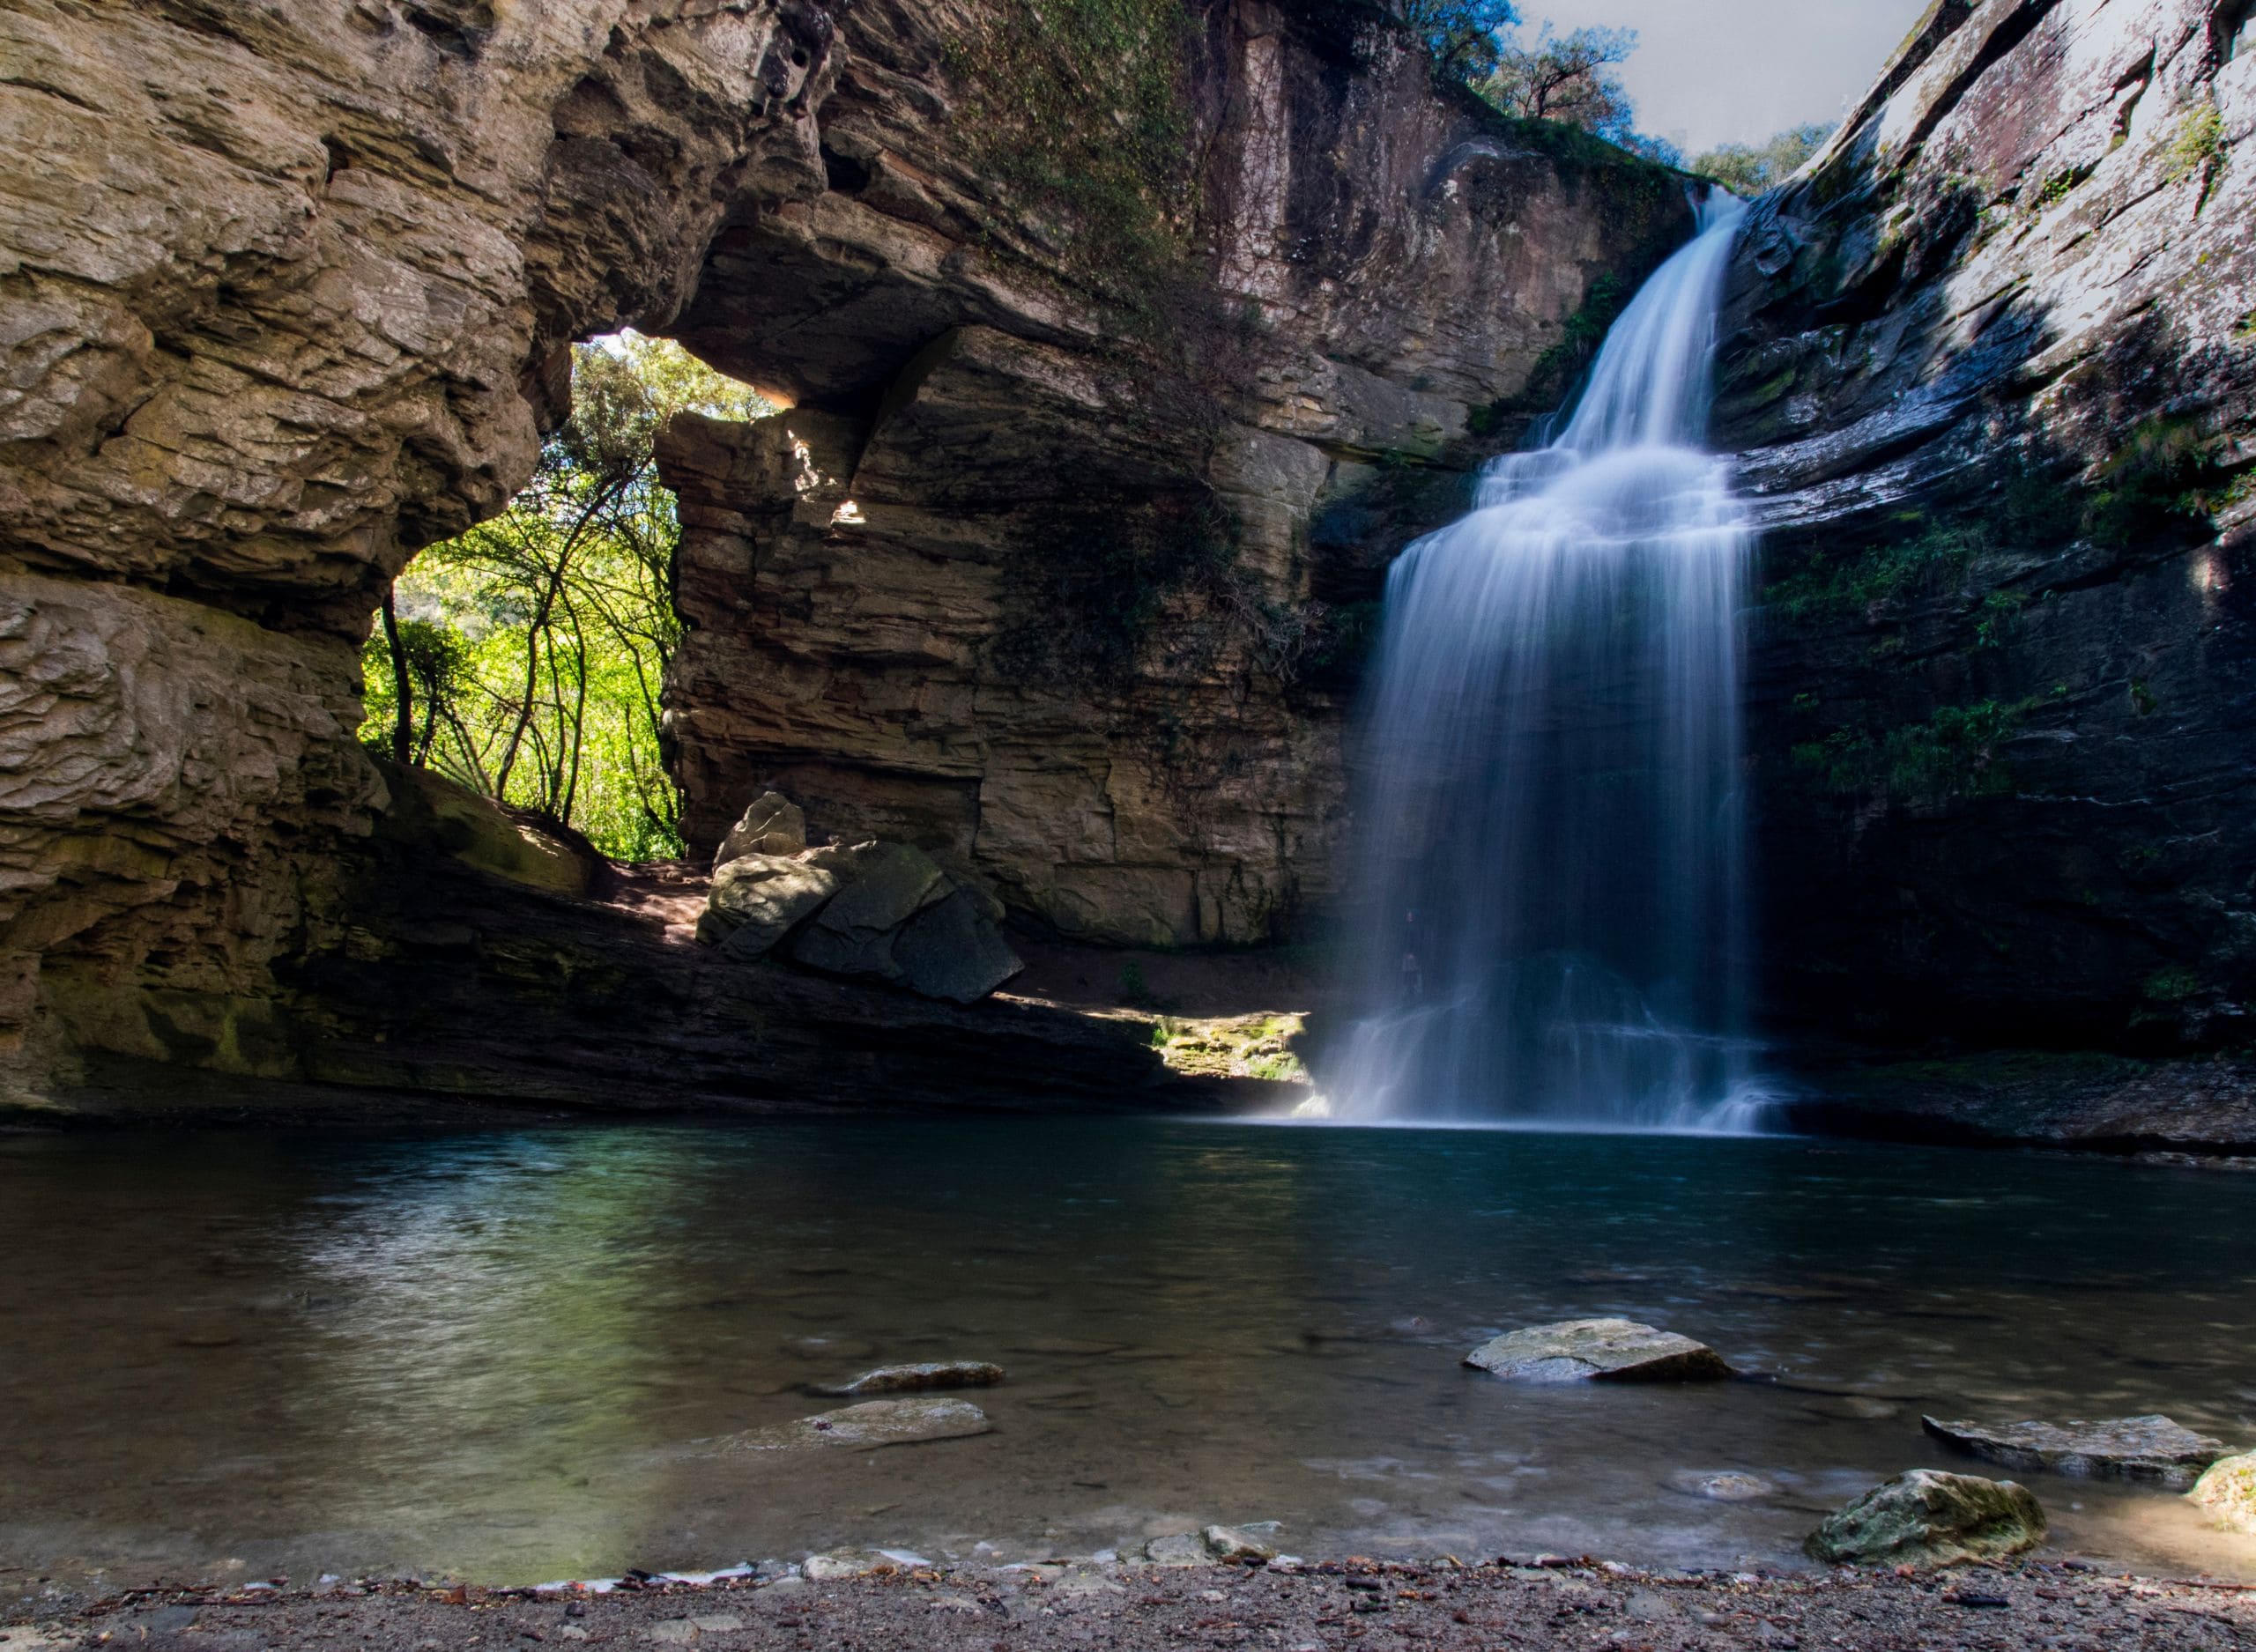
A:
(257, 1355)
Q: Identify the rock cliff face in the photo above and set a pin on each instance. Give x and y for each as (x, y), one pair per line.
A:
(287, 291)
(1068, 612)
(1993, 361)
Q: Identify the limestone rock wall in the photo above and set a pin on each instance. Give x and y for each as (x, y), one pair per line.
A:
(1993, 362)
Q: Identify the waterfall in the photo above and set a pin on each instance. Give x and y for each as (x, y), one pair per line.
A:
(1551, 925)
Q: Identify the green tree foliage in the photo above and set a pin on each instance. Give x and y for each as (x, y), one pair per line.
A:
(1748, 169)
(1464, 38)
(532, 647)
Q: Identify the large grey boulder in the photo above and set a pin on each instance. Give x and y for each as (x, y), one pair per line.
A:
(952, 950)
(2152, 1448)
(2227, 1490)
(871, 1424)
(774, 825)
(1598, 1350)
(899, 918)
(757, 899)
(885, 886)
(1929, 1518)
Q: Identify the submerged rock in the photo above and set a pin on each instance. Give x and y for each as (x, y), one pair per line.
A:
(758, 899)
(2227, 1489)
(1598, 1350)
(774, 825)
(1929, 1518)
(871, 1424)
(905, 1379)
(2150, 1448)
(1728, 1485)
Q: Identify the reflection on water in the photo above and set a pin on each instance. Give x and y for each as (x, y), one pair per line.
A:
(475, 1352)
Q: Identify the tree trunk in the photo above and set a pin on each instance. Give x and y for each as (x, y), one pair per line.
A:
(403, 728)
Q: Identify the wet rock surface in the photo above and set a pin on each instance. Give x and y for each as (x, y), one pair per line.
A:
(1926, 1518)
(907, 1379)
(1598, 1350)
(2150, 1448)
(892, 1602)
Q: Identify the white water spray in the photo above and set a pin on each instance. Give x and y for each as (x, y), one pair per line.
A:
(1552, 931)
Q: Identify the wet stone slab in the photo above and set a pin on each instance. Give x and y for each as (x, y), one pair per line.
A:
(2151, 1449)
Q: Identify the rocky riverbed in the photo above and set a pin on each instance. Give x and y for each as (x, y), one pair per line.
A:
(1542, 1602)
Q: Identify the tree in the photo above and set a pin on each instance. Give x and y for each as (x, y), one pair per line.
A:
(1464, 38)
(535, 646)
(1748, 169)
(1567, 79)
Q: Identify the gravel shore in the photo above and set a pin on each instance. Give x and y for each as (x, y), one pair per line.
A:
(1373, 1606)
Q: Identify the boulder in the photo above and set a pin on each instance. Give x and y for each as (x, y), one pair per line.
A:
(883, 886)
(2227, 1489)
(774, 825)
(871, 1424)
(2151, 1448)
(757, 899)
(475, 829)
(1929, 1518)
(899, 918)
(1598, 1350)
(952, 950)
(908, 1378)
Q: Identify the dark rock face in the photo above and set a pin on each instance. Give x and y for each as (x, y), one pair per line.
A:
(296, 285)
(1990, 365)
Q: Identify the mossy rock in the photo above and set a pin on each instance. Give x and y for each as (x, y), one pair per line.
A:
(1927, 1518)
(2227, 1492)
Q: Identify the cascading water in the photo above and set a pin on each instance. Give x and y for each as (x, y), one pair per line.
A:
(1552, 925)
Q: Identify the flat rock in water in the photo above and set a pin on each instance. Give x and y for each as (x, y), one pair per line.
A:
(1598, 1350)
(2150, 1448)
(871, 1424)
(1929, 1518)
(2227, 1491)
(908, 1378)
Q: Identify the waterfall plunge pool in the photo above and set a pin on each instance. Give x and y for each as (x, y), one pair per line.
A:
(238, 1356)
